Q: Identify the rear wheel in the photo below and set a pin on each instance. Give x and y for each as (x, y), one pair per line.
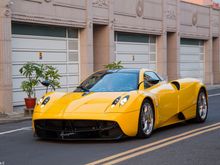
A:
(146, 120)
(202, 107)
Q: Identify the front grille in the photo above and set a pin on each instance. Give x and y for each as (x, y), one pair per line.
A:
(77, 129)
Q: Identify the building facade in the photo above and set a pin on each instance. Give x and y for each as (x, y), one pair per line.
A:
(175, 38)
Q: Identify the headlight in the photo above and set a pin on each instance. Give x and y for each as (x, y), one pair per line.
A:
(40, 101)
(45, 102)
(116, 101)
(124, 100)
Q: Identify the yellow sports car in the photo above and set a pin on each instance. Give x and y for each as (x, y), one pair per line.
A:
(111, 104)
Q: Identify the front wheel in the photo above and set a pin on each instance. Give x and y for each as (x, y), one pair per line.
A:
(202, 107)
(146, 120)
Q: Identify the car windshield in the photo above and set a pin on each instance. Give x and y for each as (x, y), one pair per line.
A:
(110, 82)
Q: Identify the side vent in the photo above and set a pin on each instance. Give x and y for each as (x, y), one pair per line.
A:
(181, 116)
(177, 84)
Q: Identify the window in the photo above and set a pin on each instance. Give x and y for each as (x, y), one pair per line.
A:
(150, 79)
(134, 37)
(43, 30)
(185, 41)
(107, 81)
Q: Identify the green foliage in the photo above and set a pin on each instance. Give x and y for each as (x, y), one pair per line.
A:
(27, 86)
(51, 74)
(114, 65)
(35, 73)
(32, 72)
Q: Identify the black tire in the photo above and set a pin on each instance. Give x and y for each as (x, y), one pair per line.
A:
(202, 107)
(142, 133)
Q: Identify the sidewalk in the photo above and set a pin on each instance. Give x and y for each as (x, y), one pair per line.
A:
(18, 114)
(211, 87)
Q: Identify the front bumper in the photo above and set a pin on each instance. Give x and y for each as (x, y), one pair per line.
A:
(100, 125)
(77, 129)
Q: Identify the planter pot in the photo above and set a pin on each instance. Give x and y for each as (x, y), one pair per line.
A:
(30, 103)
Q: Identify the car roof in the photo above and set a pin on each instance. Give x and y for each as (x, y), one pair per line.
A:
(128, 70)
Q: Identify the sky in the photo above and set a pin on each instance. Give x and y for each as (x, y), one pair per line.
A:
(217, 1)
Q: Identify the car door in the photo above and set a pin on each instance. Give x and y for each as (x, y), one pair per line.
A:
(167, 96)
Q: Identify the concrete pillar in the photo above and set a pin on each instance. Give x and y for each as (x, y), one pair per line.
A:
(5, 58)
(162, 46)
(208, 58)
(208, 71)
(162, 55)
(216, 60)
(101, 46)
(103, 41)
(112, 55)
(173, 48)
(86, 44)
(173, 44)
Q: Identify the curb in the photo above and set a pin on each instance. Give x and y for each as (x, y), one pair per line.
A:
(14, 120)
(209, 88)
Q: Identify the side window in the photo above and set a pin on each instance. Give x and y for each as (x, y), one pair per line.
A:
(150, 79)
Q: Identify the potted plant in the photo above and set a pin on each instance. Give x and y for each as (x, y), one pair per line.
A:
(32, 73)
(51, 77)
(114, 65)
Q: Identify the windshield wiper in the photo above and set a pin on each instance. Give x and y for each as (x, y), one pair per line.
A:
(83, 88)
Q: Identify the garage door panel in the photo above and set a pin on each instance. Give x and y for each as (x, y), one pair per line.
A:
(152, 66)
(133, 65)
(136, 50)
(73, 68)
(190, 58)
(191, 66)
(60, 52)
(73, 80)
(192, 73)
(21, 56)
(128, 47)
(43, 44)
(132, 58)
(191, 49)
(17, 97)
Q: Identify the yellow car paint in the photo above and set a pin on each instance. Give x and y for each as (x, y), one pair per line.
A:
(167, 100)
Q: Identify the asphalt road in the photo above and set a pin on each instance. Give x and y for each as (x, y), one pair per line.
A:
(167, 146)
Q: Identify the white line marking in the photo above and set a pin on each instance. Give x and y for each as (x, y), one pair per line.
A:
(15, 130)
(217, 94)
(158, 146)
(137, 149)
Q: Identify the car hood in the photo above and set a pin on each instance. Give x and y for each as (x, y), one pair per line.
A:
(78, 102)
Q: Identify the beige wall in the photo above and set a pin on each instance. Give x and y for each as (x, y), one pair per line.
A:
(200, 2)
(56, 12)
(216, 60)
(148, 21)
(97, 21)
(173, 44)
(100, 46)
(5, 59)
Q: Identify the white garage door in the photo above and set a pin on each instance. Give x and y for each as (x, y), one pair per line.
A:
(59, 48)
(192, 58)
(136, 50)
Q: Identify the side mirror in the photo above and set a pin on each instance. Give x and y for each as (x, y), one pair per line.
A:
(138, 86)
(153, 81)
(176, 84)
(45, 83)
